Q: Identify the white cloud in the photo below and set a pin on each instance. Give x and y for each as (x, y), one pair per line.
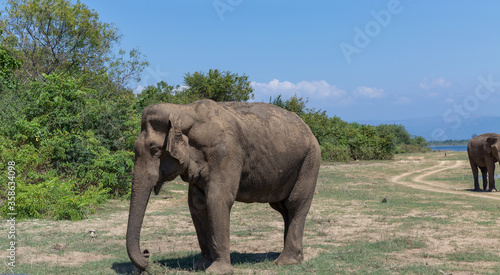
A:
(180, 88)
(368, 92)
(308, 89)
(440, 82)
(138, 89)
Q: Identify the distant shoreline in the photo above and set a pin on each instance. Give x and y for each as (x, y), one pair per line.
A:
(459, 148)
(448, 143)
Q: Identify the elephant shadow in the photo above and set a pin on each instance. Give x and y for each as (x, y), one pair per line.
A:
(472, 190)
(186, 263)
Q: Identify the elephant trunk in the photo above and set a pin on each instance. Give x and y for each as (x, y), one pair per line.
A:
(138, 203)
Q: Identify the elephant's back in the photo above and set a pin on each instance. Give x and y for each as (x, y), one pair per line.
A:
(476, 143)
(260, 111)
(270, 122)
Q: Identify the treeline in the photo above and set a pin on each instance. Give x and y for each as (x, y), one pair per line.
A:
(70, 119)
(449, 142)
(342, 141)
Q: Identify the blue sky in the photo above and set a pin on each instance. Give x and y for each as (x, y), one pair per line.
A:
(359, 60)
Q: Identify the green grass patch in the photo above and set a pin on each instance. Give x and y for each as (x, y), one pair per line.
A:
(359, 257)
(473, 255)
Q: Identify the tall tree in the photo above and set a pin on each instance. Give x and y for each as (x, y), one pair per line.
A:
(218, 86)
(8, 64)
(56, 36)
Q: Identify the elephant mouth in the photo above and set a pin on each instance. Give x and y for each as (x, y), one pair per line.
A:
(158, 187)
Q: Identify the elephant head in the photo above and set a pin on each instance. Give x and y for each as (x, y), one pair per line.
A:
(161, 154)
(492, 146)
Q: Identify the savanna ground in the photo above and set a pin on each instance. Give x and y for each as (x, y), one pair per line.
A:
(415, 214)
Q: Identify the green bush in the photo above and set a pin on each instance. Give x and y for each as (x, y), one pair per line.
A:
(412, 148)
(343, 141)
(55, 199)
(68, 119)
(339, 153)
(112, 171)
(64, 169)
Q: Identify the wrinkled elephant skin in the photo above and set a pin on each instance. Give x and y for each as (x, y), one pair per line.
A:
(227, 152)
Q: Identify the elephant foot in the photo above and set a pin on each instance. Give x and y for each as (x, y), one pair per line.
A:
(220, 268)
(203, 263)
(289, 259)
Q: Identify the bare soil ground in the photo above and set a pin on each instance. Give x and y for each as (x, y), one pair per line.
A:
(417, 179)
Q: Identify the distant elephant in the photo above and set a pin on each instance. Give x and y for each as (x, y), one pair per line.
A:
(227, 152)
(483, 152)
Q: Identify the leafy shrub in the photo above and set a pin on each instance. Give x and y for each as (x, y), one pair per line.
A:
(68, 119)
(343, 141)
(330, 152)
(64, 169)
(56, 199)
(112, 171)
(412, 148)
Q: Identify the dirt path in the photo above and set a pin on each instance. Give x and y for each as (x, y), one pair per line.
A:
(417, 180)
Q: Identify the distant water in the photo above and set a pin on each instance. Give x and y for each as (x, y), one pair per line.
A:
(459, 148)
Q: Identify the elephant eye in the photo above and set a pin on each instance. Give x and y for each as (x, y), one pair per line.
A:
(155, 150)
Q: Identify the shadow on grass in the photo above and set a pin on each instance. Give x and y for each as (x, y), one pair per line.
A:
(187, 263)
(473, 190)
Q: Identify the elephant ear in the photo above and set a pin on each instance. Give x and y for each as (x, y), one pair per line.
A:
(177, 143)
(489, 142)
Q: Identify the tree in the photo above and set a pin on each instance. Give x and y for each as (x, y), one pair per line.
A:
(10, 102)
(218, 86)
(161, 93)
(55, 36)
(71, 122)
(294, 104)
(400, 135)
(8, 64)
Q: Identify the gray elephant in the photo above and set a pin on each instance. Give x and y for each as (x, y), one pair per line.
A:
(483, 152)
(227, 152)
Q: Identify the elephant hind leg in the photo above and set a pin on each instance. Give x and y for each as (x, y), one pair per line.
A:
(292, 251)
(484, 173)
(294, 210)
(475, 175)
(280, 207)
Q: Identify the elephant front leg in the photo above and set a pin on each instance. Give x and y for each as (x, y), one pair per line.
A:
(198, 209)
(219, 203)
(210, 206)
